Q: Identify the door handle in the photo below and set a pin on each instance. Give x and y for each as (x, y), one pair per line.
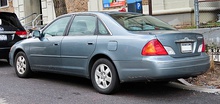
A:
(90, 43)
(55, 44)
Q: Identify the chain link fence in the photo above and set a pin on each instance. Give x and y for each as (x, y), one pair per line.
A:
(209, 19)
(209, 13)
(212, 40)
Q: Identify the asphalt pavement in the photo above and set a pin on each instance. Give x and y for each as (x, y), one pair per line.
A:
(46, 88)
(58, 89)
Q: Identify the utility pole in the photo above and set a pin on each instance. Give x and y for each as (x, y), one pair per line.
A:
(196, 13)
(150, 6)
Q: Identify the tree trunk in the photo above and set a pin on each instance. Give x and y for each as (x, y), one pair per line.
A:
(60, 7)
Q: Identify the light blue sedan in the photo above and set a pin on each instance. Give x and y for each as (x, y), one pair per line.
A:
(111, 48)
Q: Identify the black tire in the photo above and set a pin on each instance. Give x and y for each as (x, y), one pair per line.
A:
(108, 75)
(22, 67)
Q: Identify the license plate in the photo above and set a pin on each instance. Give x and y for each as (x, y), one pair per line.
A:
(186, 47)
(3, 37)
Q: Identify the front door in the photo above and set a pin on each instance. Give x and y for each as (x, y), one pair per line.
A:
(45, 51)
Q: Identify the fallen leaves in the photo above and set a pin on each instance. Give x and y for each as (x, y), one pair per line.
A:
(209, 79)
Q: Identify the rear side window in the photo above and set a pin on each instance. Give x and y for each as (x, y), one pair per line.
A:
(83, 25)
(8, 25)
(101, 29)
(10, 22)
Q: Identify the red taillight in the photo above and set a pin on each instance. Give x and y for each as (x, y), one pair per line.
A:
(203, 46)
(154, 47)
(22, 34)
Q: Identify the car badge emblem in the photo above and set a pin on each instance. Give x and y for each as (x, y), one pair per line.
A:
(186, 39)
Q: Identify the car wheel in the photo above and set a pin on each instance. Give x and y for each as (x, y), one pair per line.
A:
(104, 77)
(22, 67)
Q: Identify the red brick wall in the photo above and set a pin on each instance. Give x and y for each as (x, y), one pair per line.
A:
(144, 2)
(76, 5)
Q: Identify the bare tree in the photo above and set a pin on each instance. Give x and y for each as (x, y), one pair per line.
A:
(60, 7)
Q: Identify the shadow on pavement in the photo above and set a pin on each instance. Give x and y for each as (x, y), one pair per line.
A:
(63, 79)
(4, 63)
(131, 89)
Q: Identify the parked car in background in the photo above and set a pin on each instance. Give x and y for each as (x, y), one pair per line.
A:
(11, 31)
(111, 48)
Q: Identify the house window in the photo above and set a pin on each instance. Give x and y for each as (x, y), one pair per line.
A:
(3, 3)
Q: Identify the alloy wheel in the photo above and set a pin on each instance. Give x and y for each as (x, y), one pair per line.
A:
(103, 76)
(21, 65)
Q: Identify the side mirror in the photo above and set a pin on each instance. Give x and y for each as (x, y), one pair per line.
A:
(36, 33)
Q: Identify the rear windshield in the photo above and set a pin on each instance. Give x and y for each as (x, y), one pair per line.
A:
(9, 21)
(140, 22)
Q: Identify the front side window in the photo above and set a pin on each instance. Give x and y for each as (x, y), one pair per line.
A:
(140, 22)
(57, 28)
(3, 3)
(83, 25)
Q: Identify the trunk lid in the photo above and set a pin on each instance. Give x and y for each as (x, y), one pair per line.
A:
(183, 44)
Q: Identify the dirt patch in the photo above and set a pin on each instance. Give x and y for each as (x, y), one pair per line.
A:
(209, 79)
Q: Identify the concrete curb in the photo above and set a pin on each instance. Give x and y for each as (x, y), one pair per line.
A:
(3, 101)
(188, 86)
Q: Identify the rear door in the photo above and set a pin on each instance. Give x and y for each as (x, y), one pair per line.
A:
(79, 44)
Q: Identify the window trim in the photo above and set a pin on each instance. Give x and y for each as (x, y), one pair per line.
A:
(5, 5)
(98, 33)
(73, 17)
(110, 33)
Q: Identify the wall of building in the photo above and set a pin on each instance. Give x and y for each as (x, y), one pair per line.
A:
(48, 11)
(25, 9)
(19, 9)
(77, 5)
(8, 8)
(175, 12)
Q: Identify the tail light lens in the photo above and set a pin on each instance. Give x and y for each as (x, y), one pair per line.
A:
(154, 47)
(203, 46)
(22, 34)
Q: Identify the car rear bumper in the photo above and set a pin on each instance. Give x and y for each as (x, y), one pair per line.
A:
(162, 68)
(4, 52)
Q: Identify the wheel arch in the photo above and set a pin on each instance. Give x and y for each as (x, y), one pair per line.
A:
(95, 58)
(15, 53)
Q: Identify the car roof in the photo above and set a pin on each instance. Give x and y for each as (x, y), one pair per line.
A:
(99, 12)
